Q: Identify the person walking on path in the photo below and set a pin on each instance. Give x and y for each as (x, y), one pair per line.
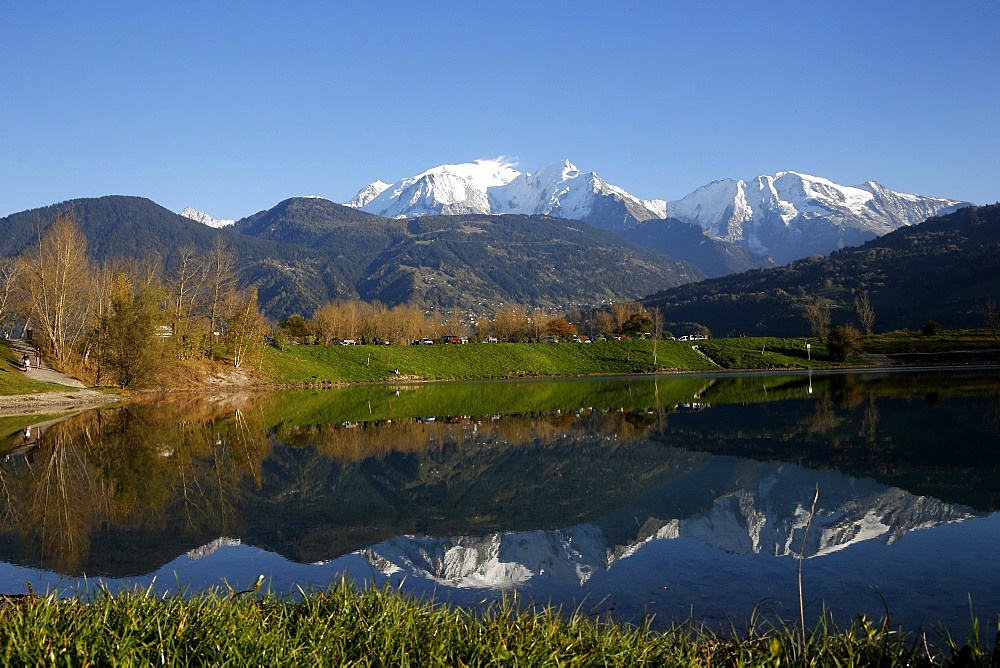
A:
(26, 363)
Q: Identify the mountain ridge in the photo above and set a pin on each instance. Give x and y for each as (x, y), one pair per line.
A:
(786, 216)
(792, 215)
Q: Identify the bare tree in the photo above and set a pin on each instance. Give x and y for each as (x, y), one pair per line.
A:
(245, 334)
(604, 323)
(412, 322)
(457, 322)
(373, 320)
(221, 283)
(990, 314)
(657, 332)
(56, 284)
(10, 273)
(183, 290)
(434, 325)
(622, 311)
(338, 320)
(816, 311)
(324, 322)
(865, 312)
(510, 323)
(536, 322)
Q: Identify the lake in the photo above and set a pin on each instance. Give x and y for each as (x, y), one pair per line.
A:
(683, 497)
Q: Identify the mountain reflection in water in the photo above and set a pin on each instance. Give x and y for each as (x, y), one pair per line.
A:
(675, 496)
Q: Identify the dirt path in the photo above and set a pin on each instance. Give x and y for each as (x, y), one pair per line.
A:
(76, 395)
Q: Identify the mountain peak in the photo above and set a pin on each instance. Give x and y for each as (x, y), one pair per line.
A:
(791, 215)
(557, 171)
(495, 187)
(205, 219)
(481, 173)
(368, 193)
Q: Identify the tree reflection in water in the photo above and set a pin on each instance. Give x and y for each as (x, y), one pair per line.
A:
(101, 477)
(125, 490)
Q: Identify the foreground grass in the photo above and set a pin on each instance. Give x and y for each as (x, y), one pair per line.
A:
(382, 627)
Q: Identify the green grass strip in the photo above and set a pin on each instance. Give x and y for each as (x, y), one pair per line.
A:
(375, 627)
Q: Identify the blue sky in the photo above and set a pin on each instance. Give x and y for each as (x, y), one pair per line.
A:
(230, 107)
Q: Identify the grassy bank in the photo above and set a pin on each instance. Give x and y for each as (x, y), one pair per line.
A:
(381, 627)
(360, 364)
(365, 364)
(319, 365)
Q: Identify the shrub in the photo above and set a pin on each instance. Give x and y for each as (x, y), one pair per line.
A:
(844, 342)
(931, 328)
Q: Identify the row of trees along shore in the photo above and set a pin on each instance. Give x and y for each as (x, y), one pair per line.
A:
(372, 321)
(127, 320)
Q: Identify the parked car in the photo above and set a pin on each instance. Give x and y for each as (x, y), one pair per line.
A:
(426, 342)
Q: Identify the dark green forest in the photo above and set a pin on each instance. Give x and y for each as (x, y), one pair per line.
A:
(941, 270)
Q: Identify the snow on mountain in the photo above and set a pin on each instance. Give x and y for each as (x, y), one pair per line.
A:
(205, 219)
(786, 216)
(495, 187)
(210, 548)
(499, 560)
(792, 215)
(448, 189)
(767, 515)
(368, 193)
(562, 190)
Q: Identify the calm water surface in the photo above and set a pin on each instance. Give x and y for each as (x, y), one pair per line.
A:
(683, 497)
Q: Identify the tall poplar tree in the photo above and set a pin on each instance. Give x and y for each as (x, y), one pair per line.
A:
(56, 287)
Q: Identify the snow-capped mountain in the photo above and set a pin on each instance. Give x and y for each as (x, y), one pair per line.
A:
(786, 216)
(205, 219)
(448, 189)
(791, 215)
(496, 187)
(368, 193)
(562, 190)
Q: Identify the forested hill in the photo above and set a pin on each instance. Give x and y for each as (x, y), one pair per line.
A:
(517, 259)
(306, 251)
(135, 227)
(446, 261)
(939, 270)
(114, 226)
